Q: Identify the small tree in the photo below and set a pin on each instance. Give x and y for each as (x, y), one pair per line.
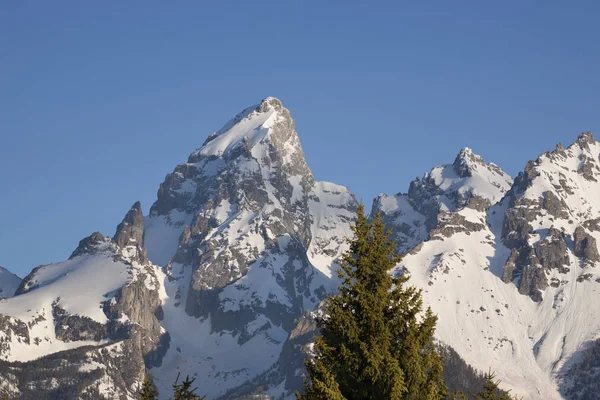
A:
(184, 390)
(460, 395)
(491, 390)
(374, 343)
(148, 390)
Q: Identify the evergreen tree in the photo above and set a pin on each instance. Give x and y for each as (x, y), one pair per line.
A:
(148, 390)
(460, 395)
(491, 391)
(184, 390)
(373, 343)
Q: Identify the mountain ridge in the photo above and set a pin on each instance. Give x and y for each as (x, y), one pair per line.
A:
(221, 278)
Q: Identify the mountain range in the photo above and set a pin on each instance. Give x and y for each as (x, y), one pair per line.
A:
(222, 279)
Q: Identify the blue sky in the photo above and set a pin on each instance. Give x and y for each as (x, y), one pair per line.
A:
(99, 101)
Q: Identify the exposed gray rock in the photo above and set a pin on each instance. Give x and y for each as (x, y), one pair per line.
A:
(452, 223)
(133, 332)
(12, 326)
(509, 269)
(585, 246)
(588, 168)
(592, 224)
(463, 164)
(560, 150)
(552, 251)
(89, 245)
(524, 179)
(245, 189)
(427, 210)
(533, 279)
(516, 226)
(422, 196)
(478, 203)
(585, 139)
(141, 305)
(131, 230)
(129, 236)
(249, 223)
(555, 206)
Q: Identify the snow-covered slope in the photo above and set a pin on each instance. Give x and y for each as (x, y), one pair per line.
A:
(516, 286)
(466, 183)
(249, 240)
(9, 283)
(106, 296)
(220, 279)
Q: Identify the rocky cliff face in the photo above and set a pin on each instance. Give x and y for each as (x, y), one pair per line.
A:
(551, 216)
(510, 277)
(249, 241)
(99, 308)
(432, 206)
(221, 280)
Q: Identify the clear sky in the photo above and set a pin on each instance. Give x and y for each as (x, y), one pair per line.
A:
(100, 100)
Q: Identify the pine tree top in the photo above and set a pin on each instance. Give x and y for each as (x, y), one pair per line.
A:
(373, 343)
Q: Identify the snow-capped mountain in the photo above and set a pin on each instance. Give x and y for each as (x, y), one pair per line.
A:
(436, 199)
(243, 241)
(516, 284)
(220, 279)
(249, 240)
(93, 317)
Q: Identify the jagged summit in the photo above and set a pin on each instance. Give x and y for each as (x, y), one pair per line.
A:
(586, 138)
(249, 241)
(466, 161)
(89, 244)
(245, 242)
(251, 126)
(256, 157)
(515, 279)
(466, 183)
(131, 230)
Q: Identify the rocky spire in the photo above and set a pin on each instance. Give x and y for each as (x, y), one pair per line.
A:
(88, 244)
(465, 161)
(585, 139)
(131, 230)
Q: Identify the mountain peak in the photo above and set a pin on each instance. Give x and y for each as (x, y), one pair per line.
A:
(270, 103)
(131, 229)
(585, 139)
(466, 161)
(89, 244)
(249, 127)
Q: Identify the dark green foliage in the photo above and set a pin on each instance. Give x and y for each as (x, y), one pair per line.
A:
(374, 342)
(148, 391)
(184, 390)
(460, 376)
(64, 367)
(459, 395)
(583, 379)
(491, 391)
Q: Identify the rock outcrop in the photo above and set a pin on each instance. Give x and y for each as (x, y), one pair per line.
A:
(100, 307)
